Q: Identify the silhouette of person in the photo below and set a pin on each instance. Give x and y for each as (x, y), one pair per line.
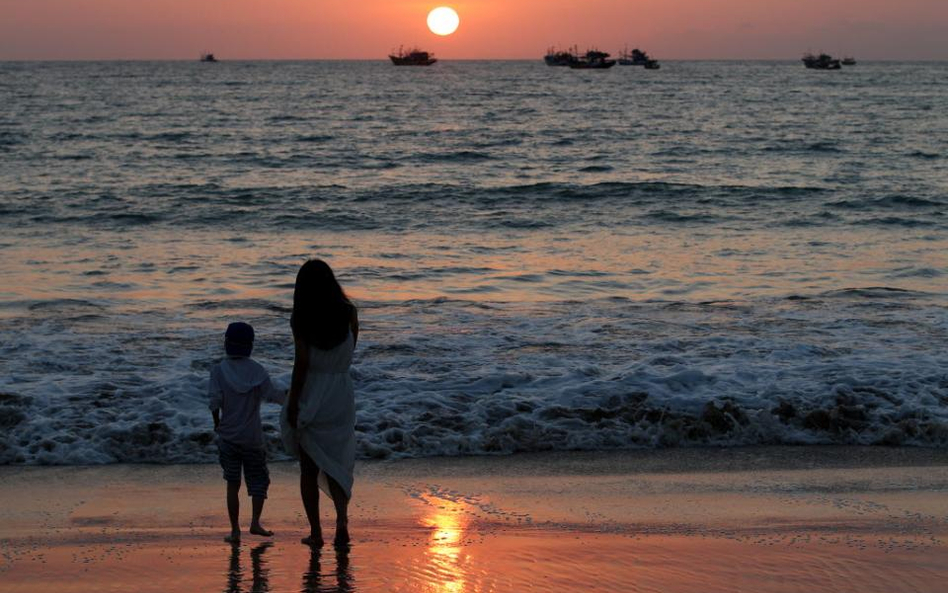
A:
(318, 421)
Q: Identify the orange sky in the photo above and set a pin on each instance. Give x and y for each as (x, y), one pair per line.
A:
(273, 29)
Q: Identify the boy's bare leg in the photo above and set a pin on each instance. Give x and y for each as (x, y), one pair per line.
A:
(255, 527)
(341, 503)
(233, 511)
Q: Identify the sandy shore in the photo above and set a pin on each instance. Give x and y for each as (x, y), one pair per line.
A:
(758, 519)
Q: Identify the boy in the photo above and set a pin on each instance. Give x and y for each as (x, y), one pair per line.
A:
(236, 387)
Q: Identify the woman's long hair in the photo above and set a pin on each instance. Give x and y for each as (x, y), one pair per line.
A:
(321, 310)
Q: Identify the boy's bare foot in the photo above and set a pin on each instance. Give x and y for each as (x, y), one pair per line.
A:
(233, 538)
(315, 540)
(258, 529)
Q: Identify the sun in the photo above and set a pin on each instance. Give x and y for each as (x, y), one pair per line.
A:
(443, 20)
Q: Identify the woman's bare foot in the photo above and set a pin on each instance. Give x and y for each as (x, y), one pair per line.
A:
(342, 534)
(315, 540)
(233, 538)
(257, 529)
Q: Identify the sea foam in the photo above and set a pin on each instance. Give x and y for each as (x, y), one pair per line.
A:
(439, 377)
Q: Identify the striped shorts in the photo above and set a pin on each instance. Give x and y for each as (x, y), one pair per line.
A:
(253, 460)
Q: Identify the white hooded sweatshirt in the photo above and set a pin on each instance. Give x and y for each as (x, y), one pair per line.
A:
(236, 387)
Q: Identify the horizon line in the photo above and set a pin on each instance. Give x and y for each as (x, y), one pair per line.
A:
(385, 59)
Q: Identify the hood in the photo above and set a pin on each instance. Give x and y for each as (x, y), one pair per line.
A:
(242, 374)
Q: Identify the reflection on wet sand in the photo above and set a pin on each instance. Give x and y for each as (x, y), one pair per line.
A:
(259, 570)
(234, 574)
(314, 581)
(446, 563)
(261, 574)
(313, 577)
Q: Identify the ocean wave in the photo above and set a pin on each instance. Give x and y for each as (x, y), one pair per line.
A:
(238, 304)
(683, 217)
(287, 117)
(889, 202)
(862, 365)
(72, 157)
(61, 304)
(135, 218)
(902, 201)
(899, 221)
(918, 273)
(802, 146)
(335, 206)
(314, 138)
(874, 292)
(489, 416)
(460, 156)
(341, 221)
(497, 143)
(921, 154)
(817, 219)
(9, 139)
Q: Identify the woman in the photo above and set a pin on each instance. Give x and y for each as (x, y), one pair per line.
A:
(318, 421)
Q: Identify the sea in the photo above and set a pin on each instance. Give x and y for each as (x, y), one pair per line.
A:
(711, 254)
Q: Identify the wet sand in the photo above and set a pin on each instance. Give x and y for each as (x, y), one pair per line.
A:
(758, 519)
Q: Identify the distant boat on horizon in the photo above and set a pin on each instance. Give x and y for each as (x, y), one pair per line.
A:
(821, 62)
(849, 61)
(636, 57)
(555, 57)
(208, 57)
(593, 60)
(412, 57)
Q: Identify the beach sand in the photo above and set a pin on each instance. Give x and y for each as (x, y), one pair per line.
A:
(695, 520)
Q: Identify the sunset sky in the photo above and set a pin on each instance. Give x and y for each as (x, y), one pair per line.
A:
(288, 29)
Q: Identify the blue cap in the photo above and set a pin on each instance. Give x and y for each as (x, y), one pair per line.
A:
(238, 339)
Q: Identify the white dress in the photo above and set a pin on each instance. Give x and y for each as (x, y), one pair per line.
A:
(325, 426)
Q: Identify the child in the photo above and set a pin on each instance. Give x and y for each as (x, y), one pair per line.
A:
(236, 387)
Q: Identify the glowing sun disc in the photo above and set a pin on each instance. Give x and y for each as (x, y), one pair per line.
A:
(443, 20)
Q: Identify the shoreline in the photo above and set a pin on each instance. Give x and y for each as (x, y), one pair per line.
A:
(757, 518)
(653, 460)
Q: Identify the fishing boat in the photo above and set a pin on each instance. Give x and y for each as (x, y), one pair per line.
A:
(593, 60)
(208, 57)
(412, 57)
(849, 61)
(555, 57)
(652, 65)
(821, 62)
(636, 57)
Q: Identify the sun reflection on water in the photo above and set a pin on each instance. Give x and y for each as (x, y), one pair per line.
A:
(445, 557)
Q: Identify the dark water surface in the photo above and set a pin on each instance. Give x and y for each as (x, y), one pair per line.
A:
(712, 253)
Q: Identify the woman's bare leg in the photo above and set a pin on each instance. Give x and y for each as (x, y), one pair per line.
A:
(341, 503)
(309, 492)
